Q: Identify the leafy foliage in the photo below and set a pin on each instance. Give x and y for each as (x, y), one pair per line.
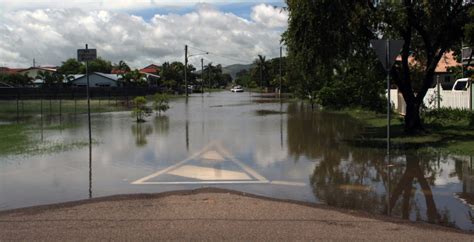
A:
(98, 65)
(160, 102)
(140, 111)
(449, 116)
(15, 79)
(327, 40)
(71, 66)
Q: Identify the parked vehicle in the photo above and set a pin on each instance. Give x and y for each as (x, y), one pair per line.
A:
(237, 89)
(461, 84)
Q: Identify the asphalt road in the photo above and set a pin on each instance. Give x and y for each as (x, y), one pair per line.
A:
(208, 215)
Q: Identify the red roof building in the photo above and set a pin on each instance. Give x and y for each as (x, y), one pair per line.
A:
(151, 69)
(118, 72)
(7, 70)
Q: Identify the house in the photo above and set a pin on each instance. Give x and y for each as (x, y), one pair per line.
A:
(151, 69)
(6, 70)
(443, 72)
(33, 72)
(96, 79)
(118, 71)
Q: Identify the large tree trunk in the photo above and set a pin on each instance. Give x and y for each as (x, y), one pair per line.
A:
(412, 118)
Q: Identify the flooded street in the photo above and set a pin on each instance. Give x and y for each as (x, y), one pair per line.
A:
(245, 143)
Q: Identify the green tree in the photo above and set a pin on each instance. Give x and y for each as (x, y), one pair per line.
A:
(98, 65)
(133, 78)
(15, 79)
(160, 102)
(320, 53)
(70, 67)
(261, 71)
(140, 110)
(122, 66)
(172, 75)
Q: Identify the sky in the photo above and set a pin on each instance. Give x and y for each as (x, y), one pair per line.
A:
(140, 32)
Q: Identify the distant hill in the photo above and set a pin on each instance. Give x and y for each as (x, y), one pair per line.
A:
(234, 69)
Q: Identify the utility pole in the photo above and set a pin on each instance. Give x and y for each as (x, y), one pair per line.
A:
(202, 76)
(279, 90)
(34, 63)
(186, 69)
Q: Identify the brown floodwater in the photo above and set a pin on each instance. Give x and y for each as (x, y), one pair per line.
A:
(241, 142)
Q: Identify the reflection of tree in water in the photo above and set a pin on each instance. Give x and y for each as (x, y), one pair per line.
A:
(162, 124)
(360, 182)
(316, 134)
(347, 183)
(141, 131)
(357, 178)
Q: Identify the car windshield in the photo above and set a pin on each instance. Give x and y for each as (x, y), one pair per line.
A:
(460, 86)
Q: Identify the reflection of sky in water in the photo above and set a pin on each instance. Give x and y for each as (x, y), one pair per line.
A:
(296, 146)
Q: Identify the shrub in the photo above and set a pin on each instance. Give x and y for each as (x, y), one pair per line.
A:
(448, 116)
(160, 103)
(140, 110)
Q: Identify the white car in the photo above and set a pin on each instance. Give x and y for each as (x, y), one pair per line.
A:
(237, 89)
(461, 84)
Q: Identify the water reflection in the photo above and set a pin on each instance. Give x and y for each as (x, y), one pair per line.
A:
(161, 124)
(287, 142)
(141, 131)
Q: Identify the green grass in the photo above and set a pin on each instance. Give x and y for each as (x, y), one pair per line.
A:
(19, 139)
(14, 137)
(28, 108)
(457, 137)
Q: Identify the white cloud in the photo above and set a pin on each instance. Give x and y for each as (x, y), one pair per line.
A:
(9, 5)
(270, 16)
(53, 35)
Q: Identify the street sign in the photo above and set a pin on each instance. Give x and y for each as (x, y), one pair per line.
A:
(86, 54)
(387, 51)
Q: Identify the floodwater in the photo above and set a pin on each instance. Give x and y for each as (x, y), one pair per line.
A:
(245, 143)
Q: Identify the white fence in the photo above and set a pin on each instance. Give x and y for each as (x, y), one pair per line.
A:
(445, 99)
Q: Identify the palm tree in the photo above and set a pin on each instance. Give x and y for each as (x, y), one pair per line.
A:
(262, 67)
(122, 65)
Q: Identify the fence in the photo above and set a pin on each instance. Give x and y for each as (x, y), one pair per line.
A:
(437, 98)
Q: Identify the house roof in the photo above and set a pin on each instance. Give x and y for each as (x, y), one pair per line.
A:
(10, 70)
(113, 77)
(151, 69)
(447, 61)
(50, 69)
(117, 71)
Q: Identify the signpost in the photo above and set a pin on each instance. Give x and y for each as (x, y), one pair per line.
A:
(86, 55)
(387, 52)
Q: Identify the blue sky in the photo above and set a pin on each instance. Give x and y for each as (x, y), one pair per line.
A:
(241, 9)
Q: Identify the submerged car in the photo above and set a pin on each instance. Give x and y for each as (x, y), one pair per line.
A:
(237, 89)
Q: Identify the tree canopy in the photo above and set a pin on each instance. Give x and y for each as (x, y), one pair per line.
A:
(331, 59)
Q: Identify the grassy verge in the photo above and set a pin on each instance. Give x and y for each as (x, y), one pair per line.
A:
(26, 108)
(456, 137)
(19, 139)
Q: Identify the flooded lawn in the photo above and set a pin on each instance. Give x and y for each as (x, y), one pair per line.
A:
(239, 142)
